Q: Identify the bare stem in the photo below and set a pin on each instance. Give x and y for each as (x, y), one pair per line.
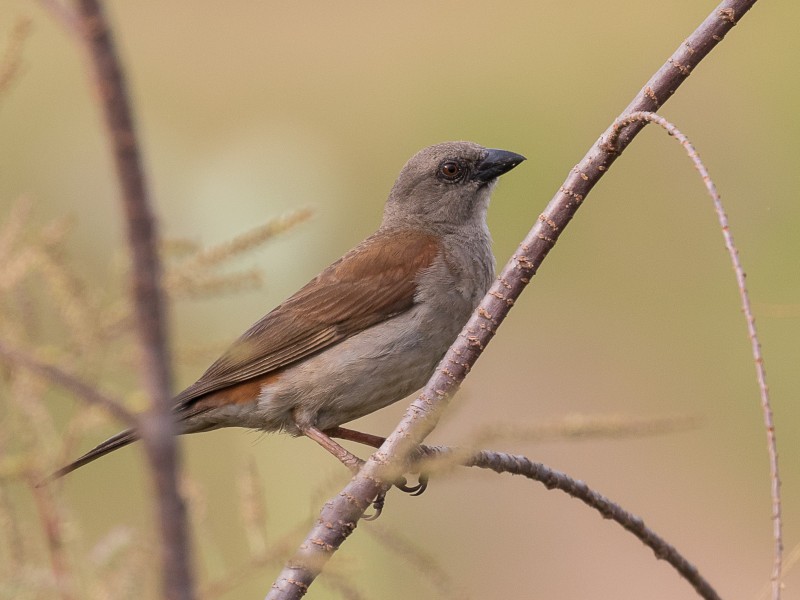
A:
(82, 390)
(54, 535)
(157, 427)
(747, 310)
(501, 462)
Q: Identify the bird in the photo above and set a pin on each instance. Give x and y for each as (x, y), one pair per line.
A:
(369, 329)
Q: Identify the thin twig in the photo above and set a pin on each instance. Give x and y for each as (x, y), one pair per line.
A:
(252, 505)
(215, 255)
(791, 560)
(339, 517)
(83, 391)
(272, 555)
(435, 459)
(149, 306)
(555, 480)
(423, 563)
(583, 427)
(54, 535)
(747, 310)
(158, 428)
(14, 540)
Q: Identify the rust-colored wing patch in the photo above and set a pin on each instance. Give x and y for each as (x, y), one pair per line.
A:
(371, 283)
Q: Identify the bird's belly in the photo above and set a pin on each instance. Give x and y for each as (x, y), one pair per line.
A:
(363, 373)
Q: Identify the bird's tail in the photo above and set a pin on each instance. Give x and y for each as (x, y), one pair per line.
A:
(113, 443)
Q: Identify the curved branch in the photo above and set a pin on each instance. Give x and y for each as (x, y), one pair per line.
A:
(339, 517)
(747, 311)
(500, 462)
(435, 459)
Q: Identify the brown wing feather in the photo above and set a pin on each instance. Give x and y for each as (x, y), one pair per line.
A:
(369, 284)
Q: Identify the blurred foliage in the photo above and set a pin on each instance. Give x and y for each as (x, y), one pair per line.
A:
(45, 301)
(248, 110)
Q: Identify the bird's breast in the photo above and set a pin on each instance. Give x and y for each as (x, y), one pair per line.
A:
(460, 276)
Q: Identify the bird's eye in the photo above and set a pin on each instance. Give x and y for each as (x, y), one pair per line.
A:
(450, 170)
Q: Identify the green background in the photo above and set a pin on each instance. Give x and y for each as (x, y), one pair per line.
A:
(249, 109)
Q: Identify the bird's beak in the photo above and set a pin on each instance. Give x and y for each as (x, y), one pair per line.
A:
(495, 163)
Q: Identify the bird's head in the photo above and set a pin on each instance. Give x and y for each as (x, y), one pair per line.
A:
(447, 185)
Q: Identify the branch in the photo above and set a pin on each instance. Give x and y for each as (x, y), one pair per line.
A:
(583, 427)
(158, 427)
(83, 390)
(436, 459)
(747, 311)
(53, 526)
(500, 462)
(339, 517)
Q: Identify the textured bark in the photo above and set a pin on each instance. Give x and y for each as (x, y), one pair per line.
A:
(157, 427)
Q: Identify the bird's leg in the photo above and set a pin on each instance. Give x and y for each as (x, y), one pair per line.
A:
(376, 441)
(351, 435)
(347, 458)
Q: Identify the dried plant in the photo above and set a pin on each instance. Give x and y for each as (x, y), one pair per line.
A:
(62, 329)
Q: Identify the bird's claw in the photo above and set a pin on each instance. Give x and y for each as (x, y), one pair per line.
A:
(377, 504)
(415, 490)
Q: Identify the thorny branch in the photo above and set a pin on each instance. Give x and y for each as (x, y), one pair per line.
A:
(157, 427)
(501, 462)
(339, 516)
(747, 310)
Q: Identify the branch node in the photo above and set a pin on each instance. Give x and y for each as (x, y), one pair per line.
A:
(728, 14)
(684, 69)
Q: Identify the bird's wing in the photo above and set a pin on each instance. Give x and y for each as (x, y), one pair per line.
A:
(371, 283)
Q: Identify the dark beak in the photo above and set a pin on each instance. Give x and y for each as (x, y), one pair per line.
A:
(495, 163)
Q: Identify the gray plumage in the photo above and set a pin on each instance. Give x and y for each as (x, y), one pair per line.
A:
(371, 328)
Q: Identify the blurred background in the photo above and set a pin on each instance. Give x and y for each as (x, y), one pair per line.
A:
(250, 110)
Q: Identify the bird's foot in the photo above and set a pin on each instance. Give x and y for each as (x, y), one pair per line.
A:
(376, 442)
(377, 505)
(415, 490)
